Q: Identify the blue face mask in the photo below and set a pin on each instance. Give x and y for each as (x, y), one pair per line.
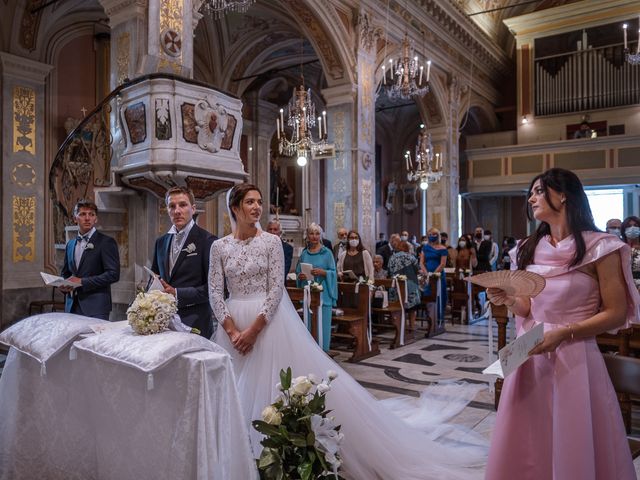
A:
(632, 232)
(433, 238)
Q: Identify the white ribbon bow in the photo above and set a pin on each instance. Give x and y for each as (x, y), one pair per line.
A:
(396, 284)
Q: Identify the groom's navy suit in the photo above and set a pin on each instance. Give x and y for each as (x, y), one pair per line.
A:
(99, 267)
(189, 276)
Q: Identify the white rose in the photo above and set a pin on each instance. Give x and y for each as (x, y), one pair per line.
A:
(313, 379)
(331, 374)
(271, 415)
(323, 388)
(301, 386)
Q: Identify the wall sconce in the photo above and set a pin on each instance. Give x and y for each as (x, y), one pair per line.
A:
(524, 120)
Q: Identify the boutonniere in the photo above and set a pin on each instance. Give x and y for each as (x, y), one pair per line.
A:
(89, 246)
(190, 248)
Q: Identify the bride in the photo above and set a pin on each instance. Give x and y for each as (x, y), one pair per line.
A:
(263, 333)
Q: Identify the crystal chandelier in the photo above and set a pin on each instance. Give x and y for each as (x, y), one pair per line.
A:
(220, 7)
(301, 118)
(407, 78)
(427, 168)
(632, 58)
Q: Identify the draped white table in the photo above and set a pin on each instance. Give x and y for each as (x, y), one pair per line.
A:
(91, 419)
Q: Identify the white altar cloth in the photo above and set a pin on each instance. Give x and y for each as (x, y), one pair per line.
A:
(91, 419)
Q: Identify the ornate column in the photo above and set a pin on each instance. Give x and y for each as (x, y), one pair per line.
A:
(23, 180)
(442, 197)
(350, 175)
(149, 36)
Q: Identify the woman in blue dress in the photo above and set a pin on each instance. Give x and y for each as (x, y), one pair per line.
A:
(324, 272)
(433, 259)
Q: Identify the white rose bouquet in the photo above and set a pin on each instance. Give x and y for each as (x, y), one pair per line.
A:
(301, 440)
(151, 312)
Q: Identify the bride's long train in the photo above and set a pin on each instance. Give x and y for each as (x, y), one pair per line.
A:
(393, 439)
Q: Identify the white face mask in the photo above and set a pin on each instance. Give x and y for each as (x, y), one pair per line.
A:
(354, 243)
(487, 237)
(614, 231)
(462, 244)
(404, 238)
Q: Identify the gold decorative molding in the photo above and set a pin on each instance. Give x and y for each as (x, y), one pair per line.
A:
(23, 175)
(122, 56)
(24, 119)
(171, 21)
(24, 224)
(338, 139)
(367, 203)
(338, 215)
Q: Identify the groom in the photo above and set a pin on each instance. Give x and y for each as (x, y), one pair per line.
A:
(181, 259)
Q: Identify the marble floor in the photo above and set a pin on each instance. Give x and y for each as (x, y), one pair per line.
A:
(461, 353)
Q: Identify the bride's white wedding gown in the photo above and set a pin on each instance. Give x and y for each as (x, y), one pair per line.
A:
(377, 443)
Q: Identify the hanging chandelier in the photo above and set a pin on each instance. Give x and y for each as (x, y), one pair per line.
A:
(301, 118)
(428, 167)
(632, 58)
(220, 7)
(407, 78)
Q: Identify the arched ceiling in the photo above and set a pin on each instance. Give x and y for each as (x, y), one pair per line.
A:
(495, 11)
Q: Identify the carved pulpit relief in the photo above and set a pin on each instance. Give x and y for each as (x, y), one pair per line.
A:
(211, 124)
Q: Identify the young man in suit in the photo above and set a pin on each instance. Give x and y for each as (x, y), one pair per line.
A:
(92, 261)
(181, 259)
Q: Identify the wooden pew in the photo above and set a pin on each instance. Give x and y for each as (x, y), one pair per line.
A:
(297, 298)
(353, 325)
(459, 301)
(393, 311)
(501, 315)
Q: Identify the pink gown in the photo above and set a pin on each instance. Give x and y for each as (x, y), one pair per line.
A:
(559, 416)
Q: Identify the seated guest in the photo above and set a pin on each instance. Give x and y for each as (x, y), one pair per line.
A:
(379, 272)
(355, 258)
(403, 263)
(92, 261)
(275, 228)
(324, 272)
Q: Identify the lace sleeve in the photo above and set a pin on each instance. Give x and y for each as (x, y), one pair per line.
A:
(275, 276)
(216, 283)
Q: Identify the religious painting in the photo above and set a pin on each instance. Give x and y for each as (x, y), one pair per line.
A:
(135, 115)
(227, 138)
(392, 188)
(189, 132)
(409, 197)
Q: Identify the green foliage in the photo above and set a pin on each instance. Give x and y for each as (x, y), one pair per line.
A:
(290, 450)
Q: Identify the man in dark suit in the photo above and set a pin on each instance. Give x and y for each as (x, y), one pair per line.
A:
(92, 261)
(274, 227)
(387, 250)
(181, 259)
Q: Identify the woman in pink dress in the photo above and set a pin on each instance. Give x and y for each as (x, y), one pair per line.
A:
(559, 416)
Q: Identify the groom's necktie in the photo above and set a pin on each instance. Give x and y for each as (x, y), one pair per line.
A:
(176, 244)
(81, 244)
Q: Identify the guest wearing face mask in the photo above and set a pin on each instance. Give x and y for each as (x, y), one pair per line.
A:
(355, 258)
(341, 244)
(631, 236)
(507, 244)
(495, 251)
(444, 241)
(483, 250)
(465, 255)
(433, 258)
(614, 227)
(404, 237)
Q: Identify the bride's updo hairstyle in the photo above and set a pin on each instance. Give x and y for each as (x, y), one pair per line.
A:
(579, 216)
(237, 194)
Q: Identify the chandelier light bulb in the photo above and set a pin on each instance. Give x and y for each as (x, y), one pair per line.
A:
(424, 184)
(302, 160)
(524, 120)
